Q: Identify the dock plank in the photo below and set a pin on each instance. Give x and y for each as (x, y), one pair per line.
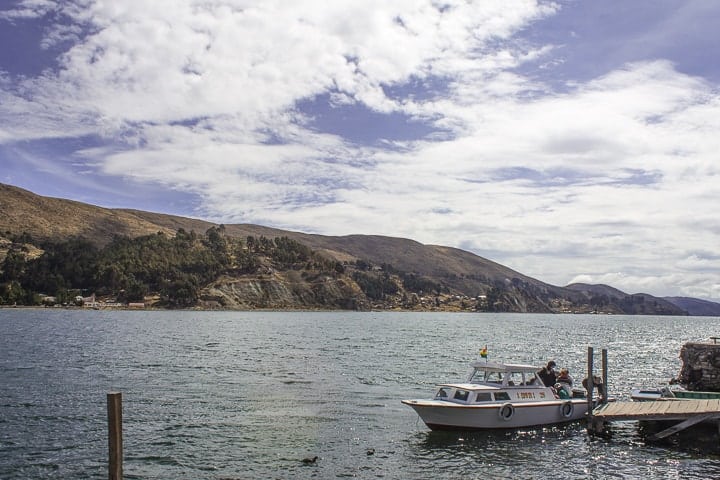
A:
(657, 410)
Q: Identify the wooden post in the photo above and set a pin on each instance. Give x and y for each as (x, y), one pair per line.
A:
(590, 387)
(605, 375)
(114, 409)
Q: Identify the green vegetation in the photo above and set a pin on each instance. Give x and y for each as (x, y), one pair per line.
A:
(375, 287)
(128, 269)
(174, 270)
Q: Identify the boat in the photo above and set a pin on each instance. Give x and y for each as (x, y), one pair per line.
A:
(500, 396)
(667, 393)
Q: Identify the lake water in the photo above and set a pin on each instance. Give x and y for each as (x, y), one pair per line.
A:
(236, 395)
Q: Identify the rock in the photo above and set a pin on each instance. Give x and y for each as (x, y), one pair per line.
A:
(700, 369)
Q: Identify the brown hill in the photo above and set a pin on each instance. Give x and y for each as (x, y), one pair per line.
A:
(460, 273)
(54, 218)
(468, 273)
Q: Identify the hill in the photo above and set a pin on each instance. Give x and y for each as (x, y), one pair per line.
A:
(51, 218)
(609, 299)
(696, 307)
(377, 271)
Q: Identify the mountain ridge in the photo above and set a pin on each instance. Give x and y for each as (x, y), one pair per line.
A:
(461, 273)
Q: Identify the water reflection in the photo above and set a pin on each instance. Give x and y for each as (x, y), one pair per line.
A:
(212, 395)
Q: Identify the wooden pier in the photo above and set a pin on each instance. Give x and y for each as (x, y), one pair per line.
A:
(667, 409)
(687, 412)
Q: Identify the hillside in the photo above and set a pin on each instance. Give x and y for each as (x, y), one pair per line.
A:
(609, 299)
(696, 307)
(453, 279)
(51, 218)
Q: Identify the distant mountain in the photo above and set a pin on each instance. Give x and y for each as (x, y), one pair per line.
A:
(597, 290)
(453, 279)
(696, 307)
(609, 299)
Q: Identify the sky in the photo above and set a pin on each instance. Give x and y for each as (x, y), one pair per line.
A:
(570, 140)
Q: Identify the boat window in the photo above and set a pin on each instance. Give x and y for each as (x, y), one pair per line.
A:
(515, 378)
(483, 397)
(495, 377)
(443, 393)
(461, 395)
(502, 396)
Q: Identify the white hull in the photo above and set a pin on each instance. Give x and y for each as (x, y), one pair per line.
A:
(442, 415)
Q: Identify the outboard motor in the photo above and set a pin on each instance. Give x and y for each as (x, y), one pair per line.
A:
(665, 392)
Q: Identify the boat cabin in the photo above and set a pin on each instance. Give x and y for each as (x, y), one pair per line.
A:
(470, 395)
(496, 383)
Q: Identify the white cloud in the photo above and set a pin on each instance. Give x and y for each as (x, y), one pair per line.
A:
(202, 96)
(171, 60)
(28, 9)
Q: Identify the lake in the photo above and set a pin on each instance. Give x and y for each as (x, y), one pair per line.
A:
(236, 395)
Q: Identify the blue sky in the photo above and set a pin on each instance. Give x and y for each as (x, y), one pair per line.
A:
(572, 140)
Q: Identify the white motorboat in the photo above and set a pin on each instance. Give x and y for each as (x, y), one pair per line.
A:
(499, 395)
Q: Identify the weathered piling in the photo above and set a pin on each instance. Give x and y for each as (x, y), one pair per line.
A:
(604, 366)
(591, 381)
(114, 410)
(589, 385)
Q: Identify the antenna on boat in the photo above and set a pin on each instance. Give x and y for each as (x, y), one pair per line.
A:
(484, 353)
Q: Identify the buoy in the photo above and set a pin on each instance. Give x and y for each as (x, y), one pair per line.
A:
(371, 451)
(506, 411)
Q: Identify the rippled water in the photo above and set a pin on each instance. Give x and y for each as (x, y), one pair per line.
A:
(236, 395)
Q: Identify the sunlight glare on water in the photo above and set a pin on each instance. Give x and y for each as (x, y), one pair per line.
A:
(230, 395)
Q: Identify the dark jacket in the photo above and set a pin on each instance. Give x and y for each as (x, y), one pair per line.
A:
(548, 376)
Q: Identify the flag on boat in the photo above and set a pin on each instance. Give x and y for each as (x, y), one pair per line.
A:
(483, 352)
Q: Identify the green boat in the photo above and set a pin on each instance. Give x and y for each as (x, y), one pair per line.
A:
(667, 393)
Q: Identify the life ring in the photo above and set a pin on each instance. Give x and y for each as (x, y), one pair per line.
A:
(506, 411)
(566, 409)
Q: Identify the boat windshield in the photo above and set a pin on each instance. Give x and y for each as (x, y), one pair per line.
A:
(443, 393)
(509, 378)
(486, 376)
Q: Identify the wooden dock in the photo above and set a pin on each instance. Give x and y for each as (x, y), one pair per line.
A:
(688, 412)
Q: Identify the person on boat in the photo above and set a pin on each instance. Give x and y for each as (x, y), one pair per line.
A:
(564, 377)
(547, 374)
(564, 383)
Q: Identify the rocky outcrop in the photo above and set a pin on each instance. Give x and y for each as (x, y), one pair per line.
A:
(283, 290)
(700, 367)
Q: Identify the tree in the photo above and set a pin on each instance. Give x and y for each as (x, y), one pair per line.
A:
(181, 292)
(134, 291)
(13, 266)
(13, 294)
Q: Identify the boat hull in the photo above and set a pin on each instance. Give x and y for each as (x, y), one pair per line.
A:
(442, 415)
(651, 394)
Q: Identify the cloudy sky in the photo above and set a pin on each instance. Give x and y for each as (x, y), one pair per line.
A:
(571, 140)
